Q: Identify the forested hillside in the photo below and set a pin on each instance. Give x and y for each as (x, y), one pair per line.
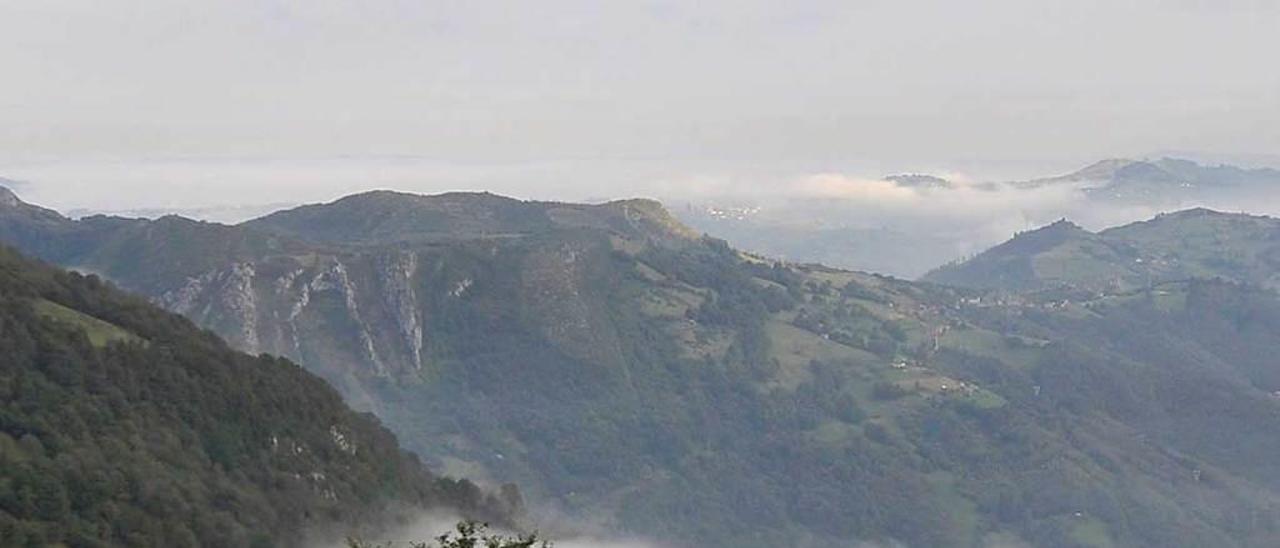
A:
(622, 369)
(124, 425)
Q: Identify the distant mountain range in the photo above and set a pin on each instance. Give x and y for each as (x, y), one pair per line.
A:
(622, 368)
(919, 180)
(1166, 181)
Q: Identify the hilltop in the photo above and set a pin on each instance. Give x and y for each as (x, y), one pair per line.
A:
(397, 217)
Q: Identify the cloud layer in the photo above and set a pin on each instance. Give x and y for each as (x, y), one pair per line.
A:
(747, 85)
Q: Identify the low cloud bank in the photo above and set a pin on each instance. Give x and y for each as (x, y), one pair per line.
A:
(430, 526)
(958, 219)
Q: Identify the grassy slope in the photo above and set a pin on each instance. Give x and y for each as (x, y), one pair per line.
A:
(100, 333)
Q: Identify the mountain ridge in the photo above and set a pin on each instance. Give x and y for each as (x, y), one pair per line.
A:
(1163, 182)
(388, 216)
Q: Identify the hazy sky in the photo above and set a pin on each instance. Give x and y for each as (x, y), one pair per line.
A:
(175, 99)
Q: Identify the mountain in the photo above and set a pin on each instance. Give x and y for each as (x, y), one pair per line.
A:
(1166, 182)
(919, 180)
(124, 425)
(622, 369)
(1112, 171)
(1195, 243)
(42, 230)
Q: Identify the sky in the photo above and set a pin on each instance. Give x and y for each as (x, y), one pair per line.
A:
(152, 103)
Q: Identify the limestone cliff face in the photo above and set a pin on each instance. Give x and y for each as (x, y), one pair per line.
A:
(224, 300)
(343, 315)
(397, 273)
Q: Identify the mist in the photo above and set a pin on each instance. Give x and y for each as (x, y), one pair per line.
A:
(428, 526)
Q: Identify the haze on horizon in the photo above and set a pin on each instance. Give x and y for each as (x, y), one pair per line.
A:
(154, 104)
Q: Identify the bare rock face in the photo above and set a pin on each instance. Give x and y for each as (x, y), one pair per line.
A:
(225, 299)
(397, 273)
(308, 313)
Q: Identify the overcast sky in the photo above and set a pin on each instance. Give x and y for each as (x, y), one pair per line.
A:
(134, 102)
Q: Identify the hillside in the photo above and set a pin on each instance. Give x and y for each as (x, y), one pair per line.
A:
(1195, 243)
(124, 425)
(622, 370)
